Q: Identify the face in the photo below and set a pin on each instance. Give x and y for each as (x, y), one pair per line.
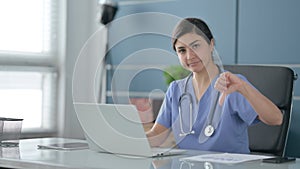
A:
(194, 52)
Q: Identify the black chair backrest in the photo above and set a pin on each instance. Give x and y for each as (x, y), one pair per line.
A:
(276, 83)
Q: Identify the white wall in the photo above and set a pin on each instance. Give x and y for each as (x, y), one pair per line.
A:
(81, 24)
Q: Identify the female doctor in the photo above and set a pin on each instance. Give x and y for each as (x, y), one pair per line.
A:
(198, 117)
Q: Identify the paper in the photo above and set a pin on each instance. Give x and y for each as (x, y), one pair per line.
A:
(65, 146)
(227, 158)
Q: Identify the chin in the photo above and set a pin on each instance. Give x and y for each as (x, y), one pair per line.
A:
(197, 67)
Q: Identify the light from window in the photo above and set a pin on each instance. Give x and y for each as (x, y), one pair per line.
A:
(25, 95)
(29, 36)
(22, 103)
(25, 25)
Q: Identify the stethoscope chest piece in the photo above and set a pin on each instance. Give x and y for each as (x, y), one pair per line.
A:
(209, 130)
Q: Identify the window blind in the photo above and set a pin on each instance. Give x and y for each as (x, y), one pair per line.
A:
(28, 27)
(29, 51)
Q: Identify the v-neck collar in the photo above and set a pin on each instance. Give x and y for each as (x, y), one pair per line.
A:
(209, 88)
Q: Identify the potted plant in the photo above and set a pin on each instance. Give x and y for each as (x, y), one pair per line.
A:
(175, 72)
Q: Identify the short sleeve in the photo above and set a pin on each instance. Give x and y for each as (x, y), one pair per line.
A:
(165, 114)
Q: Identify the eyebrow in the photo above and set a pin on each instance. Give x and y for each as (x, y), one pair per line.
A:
(195, 41)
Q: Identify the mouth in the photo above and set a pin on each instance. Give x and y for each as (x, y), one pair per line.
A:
(194, 63)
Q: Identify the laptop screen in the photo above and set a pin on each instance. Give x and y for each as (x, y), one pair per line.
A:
(113, 128)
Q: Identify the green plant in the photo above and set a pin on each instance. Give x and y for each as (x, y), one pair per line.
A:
(175, 72)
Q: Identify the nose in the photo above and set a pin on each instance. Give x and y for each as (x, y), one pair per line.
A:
(190, 54)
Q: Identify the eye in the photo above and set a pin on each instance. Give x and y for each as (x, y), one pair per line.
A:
(181, 51)
(195, 46)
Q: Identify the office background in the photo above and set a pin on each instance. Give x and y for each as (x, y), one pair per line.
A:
(246, 32)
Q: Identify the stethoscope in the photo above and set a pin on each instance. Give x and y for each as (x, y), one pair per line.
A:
(210, 128)
(187, 95)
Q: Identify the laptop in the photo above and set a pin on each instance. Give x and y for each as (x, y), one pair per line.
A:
(117, 129)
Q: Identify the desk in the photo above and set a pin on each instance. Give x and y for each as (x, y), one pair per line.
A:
(28, 156)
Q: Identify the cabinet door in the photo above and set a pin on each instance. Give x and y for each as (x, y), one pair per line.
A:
(269, 31)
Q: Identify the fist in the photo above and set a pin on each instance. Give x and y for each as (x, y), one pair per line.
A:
(226, 84)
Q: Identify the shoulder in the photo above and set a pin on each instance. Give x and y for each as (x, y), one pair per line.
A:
(178, 83)
(176, 88)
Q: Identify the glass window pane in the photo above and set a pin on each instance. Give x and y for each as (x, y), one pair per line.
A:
(25, 25)
(22, 103)
(27, 95)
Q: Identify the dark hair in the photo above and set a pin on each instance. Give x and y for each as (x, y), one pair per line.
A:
(191, 25)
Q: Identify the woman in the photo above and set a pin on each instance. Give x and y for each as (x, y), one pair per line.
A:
(239, 102)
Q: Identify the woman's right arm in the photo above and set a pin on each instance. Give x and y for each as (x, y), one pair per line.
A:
(157, 134)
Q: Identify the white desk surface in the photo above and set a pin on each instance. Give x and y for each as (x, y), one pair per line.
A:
(28, 156)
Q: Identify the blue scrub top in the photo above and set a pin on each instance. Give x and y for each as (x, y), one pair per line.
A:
(231, 135)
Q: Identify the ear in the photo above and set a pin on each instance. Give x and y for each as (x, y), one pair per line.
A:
(212, 44)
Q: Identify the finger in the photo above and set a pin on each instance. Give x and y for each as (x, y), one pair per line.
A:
(220, 85)
(225, 78)
(222, 98)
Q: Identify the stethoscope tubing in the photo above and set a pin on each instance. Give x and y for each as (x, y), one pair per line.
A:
(190, 131)
(210, 115)
(186, 94)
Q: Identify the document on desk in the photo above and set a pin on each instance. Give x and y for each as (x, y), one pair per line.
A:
(226, 158)
(65, 146)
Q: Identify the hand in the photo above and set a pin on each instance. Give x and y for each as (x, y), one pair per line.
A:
(226, 84)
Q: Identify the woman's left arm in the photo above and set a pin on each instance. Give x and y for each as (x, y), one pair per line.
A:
(267, 111)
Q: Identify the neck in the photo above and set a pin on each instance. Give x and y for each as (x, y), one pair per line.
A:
(201, 80)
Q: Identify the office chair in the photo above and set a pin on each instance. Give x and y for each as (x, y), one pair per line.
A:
(276, 83)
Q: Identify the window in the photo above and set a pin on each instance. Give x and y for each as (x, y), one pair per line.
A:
(30, 51)
(26, 94)
(26, 26)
